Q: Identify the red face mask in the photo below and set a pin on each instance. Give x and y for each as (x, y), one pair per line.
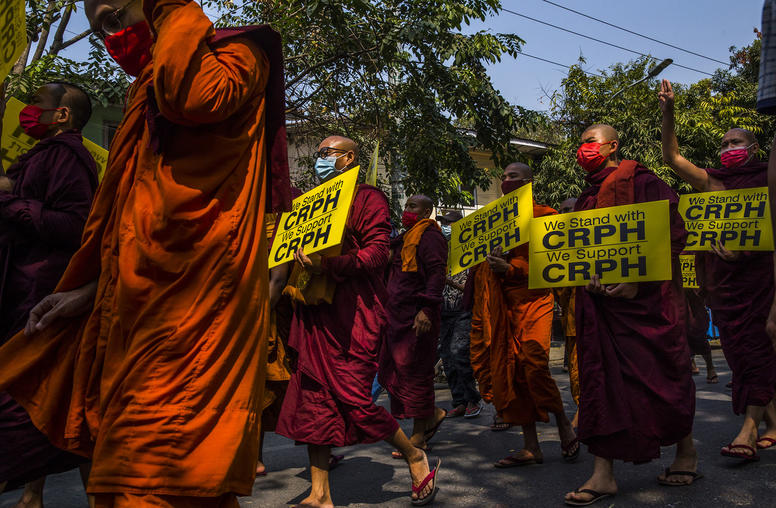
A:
(131, 47)
(409, 219)
(29, 119)
(589, 156)
(734, 157)
(508, 186)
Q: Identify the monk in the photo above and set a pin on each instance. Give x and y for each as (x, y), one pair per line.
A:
(143, 359)
(566, 298)
(44, 200)
(697, 330)
(739, 285)
(418, 271)
(338, 340)
(510, 342)
(634, 362)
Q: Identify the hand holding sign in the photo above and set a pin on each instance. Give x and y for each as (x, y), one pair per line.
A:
(6, 184)
(720, 250)
(497, 262)
(311, 263)
(625, 290)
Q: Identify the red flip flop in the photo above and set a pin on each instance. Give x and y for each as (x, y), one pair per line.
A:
(729, 451)
(771, 443)
(431, 477)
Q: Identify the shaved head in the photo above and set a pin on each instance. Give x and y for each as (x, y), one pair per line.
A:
(344, 149)
(76, 99)
(567, 205)
(518, 171)
(421, 205)
(97, 10)
(602, 132)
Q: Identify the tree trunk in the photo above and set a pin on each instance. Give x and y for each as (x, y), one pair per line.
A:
(44, 32)
(59, 35)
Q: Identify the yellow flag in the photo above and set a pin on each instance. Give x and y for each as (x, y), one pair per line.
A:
(13, 34)
(371, 172)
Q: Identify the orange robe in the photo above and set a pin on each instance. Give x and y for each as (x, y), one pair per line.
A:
(161, 382)
(278, 362)
(566, 298)
(510, 340)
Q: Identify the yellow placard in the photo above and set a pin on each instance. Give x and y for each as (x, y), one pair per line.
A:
(13, 34)
(620, 244)
(739, 219)
(502, 223)
(317, 219)
(689, 276)
(15, 142)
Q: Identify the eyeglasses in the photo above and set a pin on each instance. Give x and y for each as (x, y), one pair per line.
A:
(326, 151)
(112, 23)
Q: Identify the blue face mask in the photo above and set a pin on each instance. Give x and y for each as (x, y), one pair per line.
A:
(326, 168)
(447, 231)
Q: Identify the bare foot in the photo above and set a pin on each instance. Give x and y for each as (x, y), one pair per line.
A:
(764, 440)
(311, 502)
(30, 500)
(748, 439)
(601, 485)
(439, 415)
(261, 469)
(524, 456)
(685, 463)
(567, 436)
(419, 470)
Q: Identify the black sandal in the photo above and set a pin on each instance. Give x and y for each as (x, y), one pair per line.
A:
(597, 496)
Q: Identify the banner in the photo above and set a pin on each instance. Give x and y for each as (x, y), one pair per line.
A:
(689, 277)
(503, 223)
(739, 219)
(15, 142)
(620, 244)
(13, 34)
(317, 219)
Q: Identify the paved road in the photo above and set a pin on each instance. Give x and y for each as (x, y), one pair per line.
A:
(369, 477)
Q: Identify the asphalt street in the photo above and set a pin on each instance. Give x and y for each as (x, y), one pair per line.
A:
(370, 477)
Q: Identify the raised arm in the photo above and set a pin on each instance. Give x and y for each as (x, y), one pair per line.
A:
(688, 171)
(194, 82)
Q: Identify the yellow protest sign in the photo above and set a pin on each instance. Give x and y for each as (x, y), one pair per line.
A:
(503, 223)
(317, 219)
(13, 34)
(689, 277)
(739, 219)
(620, 244)
(15, 142)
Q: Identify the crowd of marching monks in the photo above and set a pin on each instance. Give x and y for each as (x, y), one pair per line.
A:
(144, 340)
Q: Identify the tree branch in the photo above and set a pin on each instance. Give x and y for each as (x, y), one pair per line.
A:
(82, 35)
(57, 44)
(324, 63)
(44, 32)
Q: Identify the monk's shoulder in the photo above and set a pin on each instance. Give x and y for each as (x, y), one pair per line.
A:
(244, 47)
(652, 186)
(543, 210)
(368, 194)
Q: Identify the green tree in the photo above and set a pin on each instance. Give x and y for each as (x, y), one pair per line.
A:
(401, 72)
(704, 112)
(48, 34)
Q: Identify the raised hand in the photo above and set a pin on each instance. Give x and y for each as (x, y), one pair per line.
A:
(666, 96)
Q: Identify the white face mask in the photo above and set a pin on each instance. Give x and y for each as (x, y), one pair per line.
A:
(447, 231)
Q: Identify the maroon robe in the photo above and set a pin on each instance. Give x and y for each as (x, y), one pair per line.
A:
(739, 294)
(697, 322)
(407, 361)
(41, 222)
(634, 362)
(329, 399)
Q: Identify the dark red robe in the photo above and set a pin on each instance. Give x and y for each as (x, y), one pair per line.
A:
(41, 222)
(739, 294)
(329, 399)
(634, 362)
(697, 322)
(407, 360)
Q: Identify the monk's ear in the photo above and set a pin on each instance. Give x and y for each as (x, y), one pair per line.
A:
(64, 115)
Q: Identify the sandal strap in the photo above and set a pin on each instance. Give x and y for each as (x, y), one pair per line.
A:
(425, 481)
(668, 473)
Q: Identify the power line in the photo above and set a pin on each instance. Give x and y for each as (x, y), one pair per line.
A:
(636, 33)
(557, 63)
(598, 40)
